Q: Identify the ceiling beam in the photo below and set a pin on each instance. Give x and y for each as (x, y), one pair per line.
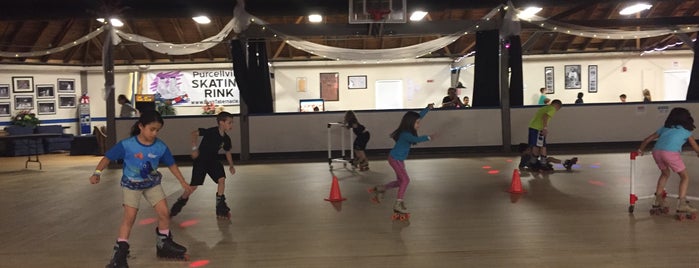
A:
(180, 34)
(148, 52)
(58, 38)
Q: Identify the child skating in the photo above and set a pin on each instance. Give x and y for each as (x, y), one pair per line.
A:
(538, 130)
(205, 162)
(141, 153)
(360, 141)
(670, 137)
(405, 136)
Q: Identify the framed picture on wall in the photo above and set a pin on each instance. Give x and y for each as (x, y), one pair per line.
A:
(301, 84)
(4, 91)
(329, 86)
(22, 84)
(592, 78)
(4, 109)
(24, 102)
(66, 85)
(45, 91)
(66, 101)
(356, 82)
(46, 106)
(548, 80)
(572, 77)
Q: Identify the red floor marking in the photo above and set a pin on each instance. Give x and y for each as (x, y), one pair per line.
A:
(509, 160)
(147, 221)
(486, 167)
(493, 171)
(200, 263)
(188, 223)
(594, 182)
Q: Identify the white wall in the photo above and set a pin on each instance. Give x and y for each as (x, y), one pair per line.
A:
(424, 81)
(641, 72)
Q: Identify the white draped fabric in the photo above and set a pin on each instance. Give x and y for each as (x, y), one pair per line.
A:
(409, 52)
(41, 53)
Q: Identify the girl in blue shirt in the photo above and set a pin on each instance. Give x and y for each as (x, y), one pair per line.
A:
(675, 132)
(141, 153)
(405, 136)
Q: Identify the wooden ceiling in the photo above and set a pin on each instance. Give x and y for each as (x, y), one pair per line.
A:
(36, 25)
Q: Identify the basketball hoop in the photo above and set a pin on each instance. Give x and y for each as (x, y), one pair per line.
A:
(378, 14)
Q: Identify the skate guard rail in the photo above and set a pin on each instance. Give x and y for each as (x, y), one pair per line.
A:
(343, 158)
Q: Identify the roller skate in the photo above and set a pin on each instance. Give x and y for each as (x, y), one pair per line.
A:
(400, 212)
(685, 210)
(121, 252)
(378, 192)
(168, 249)
(659, 207)
(222, 210)
(177, 206)
(363, 165)
(568, 164)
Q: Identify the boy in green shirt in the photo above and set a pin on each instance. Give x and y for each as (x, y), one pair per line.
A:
(538, 131)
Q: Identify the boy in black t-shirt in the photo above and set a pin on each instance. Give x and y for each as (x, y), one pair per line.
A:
(206, 162)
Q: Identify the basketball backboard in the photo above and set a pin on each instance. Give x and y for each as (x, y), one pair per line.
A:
(377, 11)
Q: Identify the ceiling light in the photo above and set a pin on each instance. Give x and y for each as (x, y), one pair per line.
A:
(635, 9)
(202, 19)
(418, 15)
(116, 22)
(529, 12)
(315, 18)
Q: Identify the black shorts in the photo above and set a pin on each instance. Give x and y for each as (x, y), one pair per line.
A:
(361, 141)
(202, 167)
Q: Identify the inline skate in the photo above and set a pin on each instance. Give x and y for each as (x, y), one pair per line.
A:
(168, 249)
(121, 252)
(222, 210)
(177, 206)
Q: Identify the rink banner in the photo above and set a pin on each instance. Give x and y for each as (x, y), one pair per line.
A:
(194, 87)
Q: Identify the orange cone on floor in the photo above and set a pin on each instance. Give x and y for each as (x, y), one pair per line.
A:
(516, 186)
(335, 195)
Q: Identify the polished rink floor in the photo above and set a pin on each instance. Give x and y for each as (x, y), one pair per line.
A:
(462, 216)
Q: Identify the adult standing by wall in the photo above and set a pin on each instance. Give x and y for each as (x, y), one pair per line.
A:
(127, 109)
(646, 95)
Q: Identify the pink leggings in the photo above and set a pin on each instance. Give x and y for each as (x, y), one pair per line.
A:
(402, 179)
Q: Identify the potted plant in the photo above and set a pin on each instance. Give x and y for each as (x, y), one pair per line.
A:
(25, 118)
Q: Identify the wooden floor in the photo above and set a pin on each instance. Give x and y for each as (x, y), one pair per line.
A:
(462, 216)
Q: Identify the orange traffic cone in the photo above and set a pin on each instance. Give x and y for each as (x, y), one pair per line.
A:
(335, 195)
(516, 186)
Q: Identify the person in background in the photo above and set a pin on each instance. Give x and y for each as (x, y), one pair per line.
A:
(127, 110)
(542, 97)
(466, 102)
(579, 100)
(622, 97)
(452, 101)
(646, 95)
(361, 139)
